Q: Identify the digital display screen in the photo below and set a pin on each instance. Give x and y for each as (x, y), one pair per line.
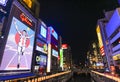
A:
(53, 32)
(3, 2)
(41, 60)
(43, 31)
(54, 53)
(41, 46)
(19, 47)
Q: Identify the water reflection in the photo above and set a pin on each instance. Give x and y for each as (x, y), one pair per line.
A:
(80, 78)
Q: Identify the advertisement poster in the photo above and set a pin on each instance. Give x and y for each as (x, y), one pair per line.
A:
(18, 50)
(41, 59)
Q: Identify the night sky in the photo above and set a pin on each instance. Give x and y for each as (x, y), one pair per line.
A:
(75, 21)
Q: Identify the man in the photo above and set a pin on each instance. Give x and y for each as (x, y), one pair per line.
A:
(22, 42)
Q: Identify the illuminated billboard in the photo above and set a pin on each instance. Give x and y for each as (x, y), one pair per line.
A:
(55, 53)
(3, 2)
(53, 32)
(49, 58)
(32, 6)
(19, 47)
(64, 46)
(41, 46)
(43, 31)
(100, 41)
(41, 61)
(19, 42)
(61, 58)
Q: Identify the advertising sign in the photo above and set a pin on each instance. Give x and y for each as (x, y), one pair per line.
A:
(20, 41)
(42, 32)
(41, 46)
(41, 61)
(100, 41)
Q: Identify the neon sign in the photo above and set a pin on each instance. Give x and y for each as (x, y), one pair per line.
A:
(3, 2)
(37, 58)
(54, 33)
(28, 3)
(43, 31)
(54, 53)
(64, 46)
(25, 19)
(100, 41)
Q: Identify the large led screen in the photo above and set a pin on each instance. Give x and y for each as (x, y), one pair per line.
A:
(41, 59)
(54, 53)
(41, 46)
(19, 47)
(43, 31)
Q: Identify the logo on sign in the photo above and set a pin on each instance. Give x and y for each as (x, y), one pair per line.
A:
(25, 19)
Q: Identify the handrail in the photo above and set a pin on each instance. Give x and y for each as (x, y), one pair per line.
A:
(107, 76)
(39, 78)
(52, 76)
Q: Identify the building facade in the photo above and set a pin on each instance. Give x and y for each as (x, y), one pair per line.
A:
(109, 28)
(94, 59)
(67, 57)
(113, 36)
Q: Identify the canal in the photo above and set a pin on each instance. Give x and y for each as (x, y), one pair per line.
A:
(81, 78)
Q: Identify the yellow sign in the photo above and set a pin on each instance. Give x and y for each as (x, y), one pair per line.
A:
(116, 57)
(28, 3)
(99, 36)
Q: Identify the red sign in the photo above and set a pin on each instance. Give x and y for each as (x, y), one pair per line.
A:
(58, 57)
(102, 51)
(25, 19)
(64, 46)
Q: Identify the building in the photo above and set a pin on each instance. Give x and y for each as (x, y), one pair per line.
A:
(94, 59)
(102, 41)
(67, 57)
(109, 28)
(41, 49)
(53, 50)
(113, 37)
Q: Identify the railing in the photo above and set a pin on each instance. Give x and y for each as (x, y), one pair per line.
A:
(60, 76)
(103, 77)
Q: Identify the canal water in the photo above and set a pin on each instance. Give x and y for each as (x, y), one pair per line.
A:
(81, 78)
